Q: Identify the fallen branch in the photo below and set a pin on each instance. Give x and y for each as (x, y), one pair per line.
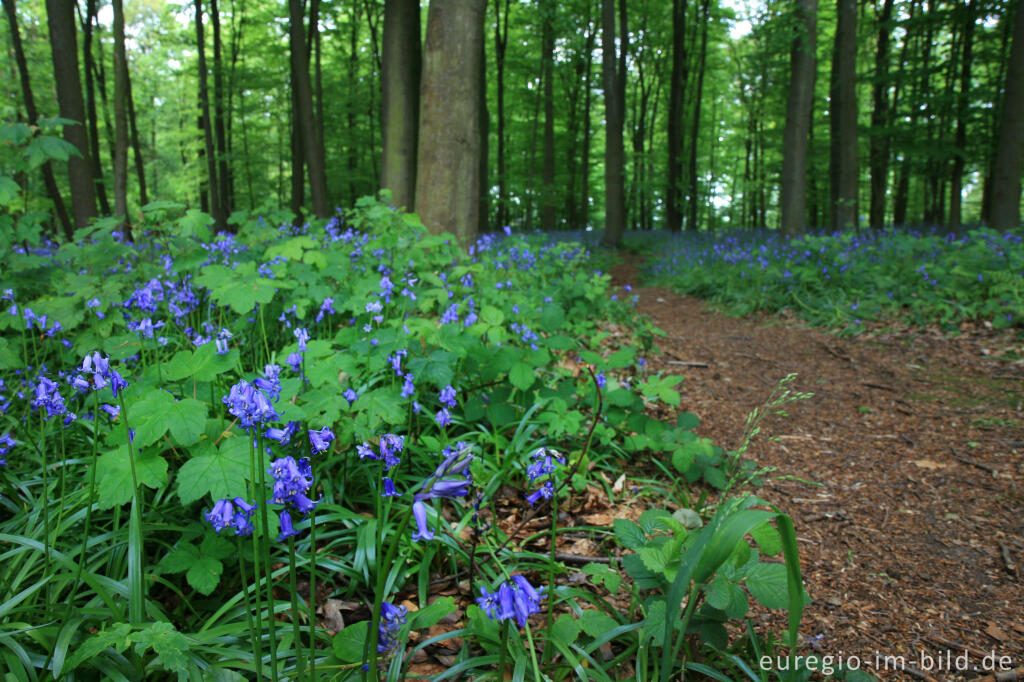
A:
(689, 363)
(974, 463)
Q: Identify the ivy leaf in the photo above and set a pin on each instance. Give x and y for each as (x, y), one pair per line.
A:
(220, 472)
(114, 474)
(204, 574)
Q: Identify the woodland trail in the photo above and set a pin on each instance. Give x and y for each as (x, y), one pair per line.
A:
(904, 475)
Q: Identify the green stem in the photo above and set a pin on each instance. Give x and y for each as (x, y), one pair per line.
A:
(266, 560)
(258, 640)
(44, 499)
(136, 556)
(245, 596)
(312, 595)
(533, 654)
(300, 664)
(92, 489)
(371, 643)
(552, 573)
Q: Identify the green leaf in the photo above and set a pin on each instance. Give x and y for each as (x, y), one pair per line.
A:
(117, 637)
(204, 574)
(654, 623)
(384, 404)
(767, 584)
(186, 420)
(180, 559)
(719, 592)
(521, 375)
(348, 644)
(629, 534)
(430, 616)
(216, 546)
(114, 475)
(596, 623)
(9, 191)
(654, 558)
(171, 646)
(552, 318)
(767, 538)
(148, 417)
(222, 472)
(492, 315)
(564, 630)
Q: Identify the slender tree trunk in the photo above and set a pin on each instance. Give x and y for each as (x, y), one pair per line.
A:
(448, 173)
(485, 129)
(960, 140)
(212, 184)
(49, 180)
(90, 104)
(843, 119)
(677, 90)
(1006, 23)
(400, 93)
(705, 13)
(120, 117)
(532, 157)
(305, 120)
(584, 210)
(798, 121)
(318, 85)
(615, 100)
(878, 157)
(352, 160)
(500, 44)
(1006, 170)
(298, 161)
(219, 115)
(133, 129)
(547, 194)
(64, 48)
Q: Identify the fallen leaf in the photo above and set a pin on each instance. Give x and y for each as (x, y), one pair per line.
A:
(995, 632)
(929, 464)
(330, 611)
(620, 482)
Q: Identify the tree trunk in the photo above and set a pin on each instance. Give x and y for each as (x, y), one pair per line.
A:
(90, 104)
(677, 91)
(485, 125)
(447, 172)
(61, 21)
(995, 117)
(212, 185)
(705, 12)
(1007, 168)
(500, 44)
(219, 123)
(33, 117)
(304, 119)
(615, 105)
(133, 129)
(878, 157)
(584, 210)
(960, 139)
(843, 119)
(547, 193)
(798, 121)
(120, 116)
(400, 92)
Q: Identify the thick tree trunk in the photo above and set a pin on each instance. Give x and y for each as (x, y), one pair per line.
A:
(400, 90)
(447, 172)
(960, 139)
(212, 185)
(547, 193)
(133, 129)
(1005, 211)
(90, 104)
(843, 119)
(677, 90)
(485, 129)
(305, 121)
(995, 118)
(614, 104)
(878, 156)
(219, 115)
(120, 116)
(798, 121)
(61, 22)
(33, 117)
(705, 13)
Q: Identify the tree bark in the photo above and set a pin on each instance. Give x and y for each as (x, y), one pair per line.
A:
(878, 156)
(547, 194)
(305, 120)
(212, 185)
(120, 116)
(500, 45)
(615, 105)
(584, 210)
(843, 118)
(133, 129)
(219, 116)
(793, 202)
(90, 104)
(400, 92)
(1005, 211)
(447, 172)
(33, 117)
(705, 13)
(677, 90)
(64, 47)
(960, 138)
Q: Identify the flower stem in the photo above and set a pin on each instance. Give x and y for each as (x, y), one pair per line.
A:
(92, 489)
(312, 595)
(300, 664)
(258, 639)
(266, 560)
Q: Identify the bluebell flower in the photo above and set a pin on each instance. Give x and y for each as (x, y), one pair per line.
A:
(365, 451)
(443, 417)
(546, 491)
(389, 488)
(249, 404)
(447, 396)
(282, 436)
(222, 346)
(303, 336)
(294, 360)
(270, 382)
(450, 479)
(287, 528)
(350, 395)
(408, 387)
(392, 618)
(544, 462)
(516, 598)
(320, 440)
(7, 443)
(601, 380)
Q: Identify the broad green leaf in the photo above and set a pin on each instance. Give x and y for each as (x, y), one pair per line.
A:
(491, 315)
(9, 191)
(767, 584)
(521, 375)
(186, 420)
(222, 472)
(204, 574)
(565, 630)
(171, 646)
(596, 623)
(114, 475)
(431, 615)
(629, 534)
(767, 539)
(348, 644)
(552, 318)
(179, 559)
(719, 592)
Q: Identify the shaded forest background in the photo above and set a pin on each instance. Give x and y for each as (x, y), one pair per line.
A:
(792, 115)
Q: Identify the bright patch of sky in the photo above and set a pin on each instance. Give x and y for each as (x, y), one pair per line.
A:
(741, 26)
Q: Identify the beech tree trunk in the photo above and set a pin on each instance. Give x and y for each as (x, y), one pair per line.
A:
(878, 156)
(447, 170)
(547, 193)
(793, 202)
(120, 116)
(1005, 211)
(400, 93)
(677, 90)
(212, 185)
(615, 109)
(705, 13)
(500, 44)
(64, 48)
(960, 140)
(90, 104)
(304, 118)
(33, 117)
(843, 119)
(219, 115)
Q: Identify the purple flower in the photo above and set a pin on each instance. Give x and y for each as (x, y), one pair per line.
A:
(444, 417)
(294, 360)
(392, 618)
(419, 514)
(350, 395)
(224, 514)
(320, 440)
(389, 488)
(6, 444)
(447, 396)
(546, 491)
(516, 598)
(222, 346)
(287, 529)
(408, 387)
(365, 451)
(249, 404)
(303, 336)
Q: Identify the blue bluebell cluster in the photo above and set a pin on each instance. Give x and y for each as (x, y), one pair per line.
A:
(515, 598)
(452, 478)
(392, 618)
(545, 463)
(236, 513)
(250, 405)
(7, 444)
(391, 446)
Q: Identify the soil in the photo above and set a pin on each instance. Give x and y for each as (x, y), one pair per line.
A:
(903, 475)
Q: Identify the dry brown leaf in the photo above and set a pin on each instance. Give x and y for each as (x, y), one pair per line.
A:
(929, 464)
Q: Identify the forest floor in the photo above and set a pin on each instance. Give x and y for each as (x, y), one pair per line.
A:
(904, 476)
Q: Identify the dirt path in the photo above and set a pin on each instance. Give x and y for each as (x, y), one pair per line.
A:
(911, 537)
